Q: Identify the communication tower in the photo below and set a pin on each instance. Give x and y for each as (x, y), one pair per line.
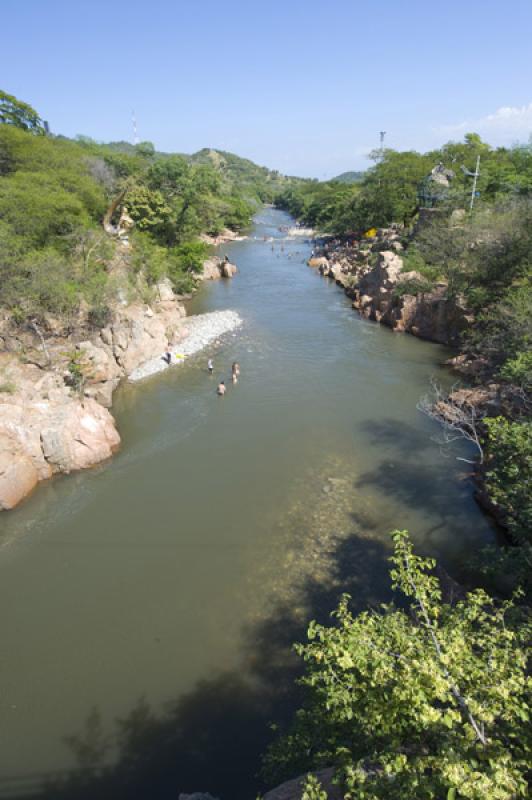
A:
(136, 139)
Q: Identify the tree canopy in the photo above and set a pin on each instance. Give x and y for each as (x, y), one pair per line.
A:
(429, 700)
(21, 115)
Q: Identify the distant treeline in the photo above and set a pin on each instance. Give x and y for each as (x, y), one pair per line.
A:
(392, 190)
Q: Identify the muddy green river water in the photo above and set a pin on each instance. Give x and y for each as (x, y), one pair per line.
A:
(148, 605)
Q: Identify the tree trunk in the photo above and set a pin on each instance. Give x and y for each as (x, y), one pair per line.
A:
(106, 222)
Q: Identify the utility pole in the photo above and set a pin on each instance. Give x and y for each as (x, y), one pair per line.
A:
(135, 132)
(474, 189)
(473, 175)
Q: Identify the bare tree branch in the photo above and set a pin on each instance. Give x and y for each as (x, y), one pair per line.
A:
(460, 420)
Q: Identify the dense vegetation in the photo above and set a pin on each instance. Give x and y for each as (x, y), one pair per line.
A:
(54, 193)
(431, 701)
(389, 191)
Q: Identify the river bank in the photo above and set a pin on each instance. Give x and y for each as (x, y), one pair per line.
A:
(56, 389)
(371, 271)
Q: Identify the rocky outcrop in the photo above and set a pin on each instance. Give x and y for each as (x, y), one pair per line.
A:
(318, 261)
(18, 474)
(228, 270)
(214, 268)
(371, 271)
(55, 391)
(45, 429)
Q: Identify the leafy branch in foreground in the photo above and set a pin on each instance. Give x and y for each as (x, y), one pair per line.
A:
(429, 702)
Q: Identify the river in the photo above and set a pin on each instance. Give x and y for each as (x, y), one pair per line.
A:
(164, 588)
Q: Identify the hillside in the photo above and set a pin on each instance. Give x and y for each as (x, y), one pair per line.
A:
(349, 177)
(55, 256)
(241, 173)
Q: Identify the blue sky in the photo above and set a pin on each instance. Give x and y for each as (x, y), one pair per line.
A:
(304, 87)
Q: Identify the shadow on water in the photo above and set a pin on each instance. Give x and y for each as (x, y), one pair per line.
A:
(212, 738)
(412, 478)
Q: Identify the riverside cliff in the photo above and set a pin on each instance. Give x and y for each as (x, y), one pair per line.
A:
(56, 387)
(370, 270)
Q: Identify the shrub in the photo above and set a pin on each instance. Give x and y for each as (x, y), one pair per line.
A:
(429, 702)
(508, 476)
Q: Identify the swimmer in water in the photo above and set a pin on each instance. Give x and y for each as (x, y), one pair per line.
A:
(221, 390)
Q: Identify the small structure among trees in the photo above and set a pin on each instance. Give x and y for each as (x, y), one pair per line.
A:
(435, 187)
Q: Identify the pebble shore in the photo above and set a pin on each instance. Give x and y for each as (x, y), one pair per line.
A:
(202, 330)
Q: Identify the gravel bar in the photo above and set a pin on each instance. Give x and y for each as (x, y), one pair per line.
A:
(202, 330)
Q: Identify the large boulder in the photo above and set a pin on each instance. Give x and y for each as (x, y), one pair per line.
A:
(211, 270)
(137, 335)
(18, 475)
(319, 261)
(78, 435)
(227, 269)
(377, 284)
(98, 363)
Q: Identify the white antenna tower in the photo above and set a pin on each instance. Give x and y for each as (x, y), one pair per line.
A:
(136, 139)
(382, 134)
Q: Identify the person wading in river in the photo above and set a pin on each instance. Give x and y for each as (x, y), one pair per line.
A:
(210, 366)
(235, 372)
(221, 390)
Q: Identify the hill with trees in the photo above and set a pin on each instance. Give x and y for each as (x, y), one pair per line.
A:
(349, 177)
(55, 192)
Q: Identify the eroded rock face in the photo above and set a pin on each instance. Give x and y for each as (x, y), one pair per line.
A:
(47, 425)
(137, 336)
(78, 435)
(213, 269)
(18, 475)
(228, 270)
(430, 315)
(40, 437)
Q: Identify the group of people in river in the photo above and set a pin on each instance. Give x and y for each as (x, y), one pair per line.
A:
(235, 374)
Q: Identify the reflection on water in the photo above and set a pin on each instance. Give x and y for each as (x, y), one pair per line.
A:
(164, 589)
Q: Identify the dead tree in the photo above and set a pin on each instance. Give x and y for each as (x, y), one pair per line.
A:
(106, 222)
(459, 419)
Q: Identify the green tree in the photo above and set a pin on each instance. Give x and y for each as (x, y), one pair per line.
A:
(429, 702)
(21, 115)
(508, 476)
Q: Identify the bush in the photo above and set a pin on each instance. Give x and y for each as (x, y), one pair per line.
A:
(411, 286)
(428, 703)
(508, 475)
(518, 370)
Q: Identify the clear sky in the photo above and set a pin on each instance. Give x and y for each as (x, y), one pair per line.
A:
(304, 87)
